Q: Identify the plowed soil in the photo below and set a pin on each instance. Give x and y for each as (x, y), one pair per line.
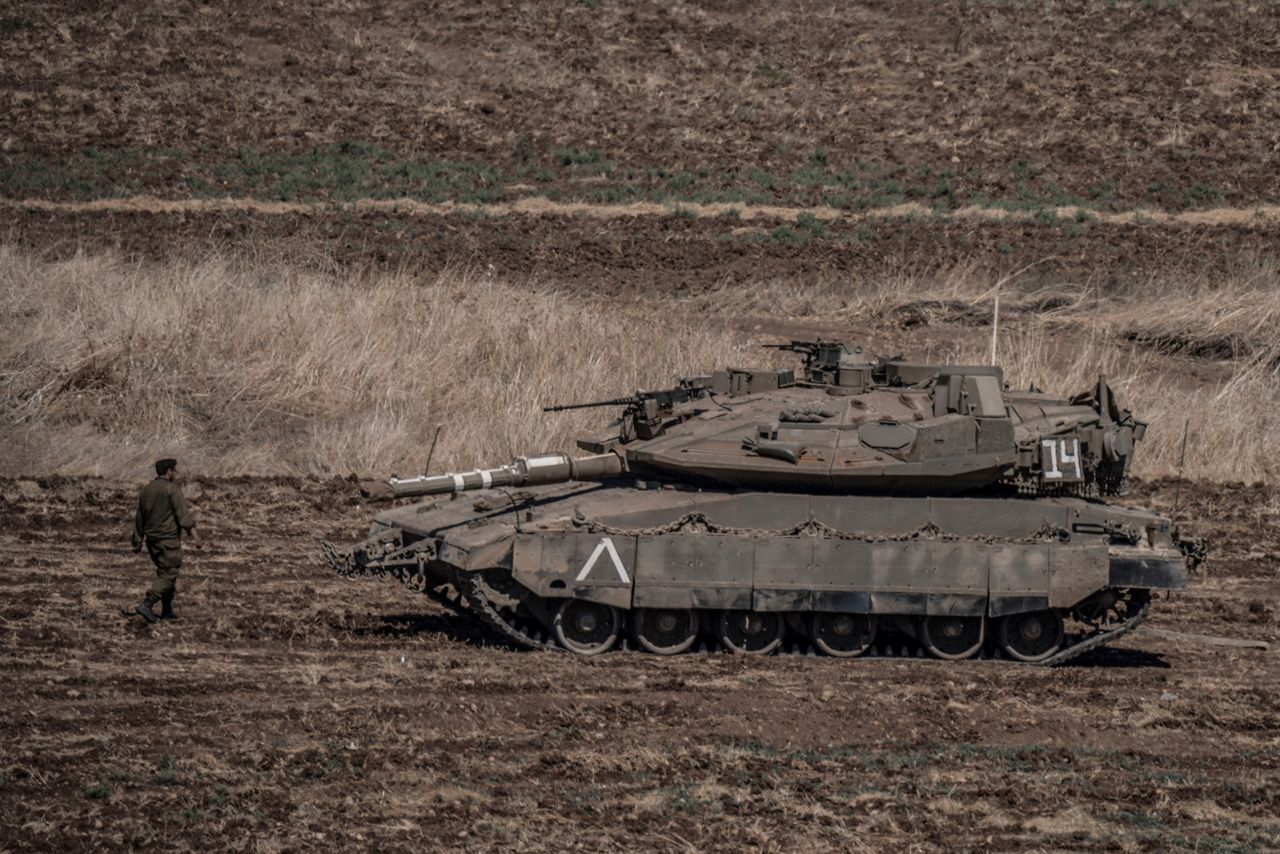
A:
(628, 255)
(1118, 101)
(291, 709)
(1157, 116)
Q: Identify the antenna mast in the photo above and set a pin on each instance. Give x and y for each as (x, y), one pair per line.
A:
(995, 324)
(1182, 459)
(431, 453)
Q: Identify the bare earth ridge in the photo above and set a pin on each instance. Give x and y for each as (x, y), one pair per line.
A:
(1261, 216)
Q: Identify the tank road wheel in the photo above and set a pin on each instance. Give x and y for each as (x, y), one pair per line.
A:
(842, 635)
(952, 638)
(587, 628)
(1034, 636)
(749, 631)
(665, 631)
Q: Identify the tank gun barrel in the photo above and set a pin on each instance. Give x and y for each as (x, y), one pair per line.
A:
(522, 471)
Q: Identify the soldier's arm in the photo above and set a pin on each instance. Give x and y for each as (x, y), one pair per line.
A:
(182, 515)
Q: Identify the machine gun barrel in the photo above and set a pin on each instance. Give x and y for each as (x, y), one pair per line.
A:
(523, 471)
(795, 346)
(617, 401)
(690, 388)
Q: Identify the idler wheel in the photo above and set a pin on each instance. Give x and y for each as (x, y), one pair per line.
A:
(1033, 636)
(749, 631)
(842, 635)
(952, 638)
(665, 631)
(587, 628)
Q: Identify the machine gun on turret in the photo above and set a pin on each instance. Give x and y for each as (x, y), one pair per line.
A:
(831, 363)
(646, 411)
(690, 388)
(631, 400)
(819, 353)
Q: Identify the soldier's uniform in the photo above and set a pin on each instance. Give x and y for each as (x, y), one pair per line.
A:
(162, 517)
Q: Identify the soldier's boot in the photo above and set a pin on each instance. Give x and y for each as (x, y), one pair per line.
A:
(166, 608)
(144, 609)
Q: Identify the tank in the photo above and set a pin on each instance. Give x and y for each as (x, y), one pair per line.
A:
(848, 506)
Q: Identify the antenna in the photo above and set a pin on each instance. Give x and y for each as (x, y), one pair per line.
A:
(1182, 459)
(431, 453)
(995, 319)
(995, 323)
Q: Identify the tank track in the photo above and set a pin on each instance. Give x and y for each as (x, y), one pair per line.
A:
(474, 596)
(1098, 639)
(476, 593)
(409, 574)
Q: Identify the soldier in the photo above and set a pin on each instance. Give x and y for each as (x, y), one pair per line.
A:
(162, 517)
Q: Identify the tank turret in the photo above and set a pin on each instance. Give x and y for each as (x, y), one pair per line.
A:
(849, 425)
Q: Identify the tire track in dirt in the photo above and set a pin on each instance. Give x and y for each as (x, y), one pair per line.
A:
(538, 206)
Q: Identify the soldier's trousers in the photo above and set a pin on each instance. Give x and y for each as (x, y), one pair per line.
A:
(167, 556)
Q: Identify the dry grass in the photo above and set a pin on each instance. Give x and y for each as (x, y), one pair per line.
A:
(246, 369)
(241, 367)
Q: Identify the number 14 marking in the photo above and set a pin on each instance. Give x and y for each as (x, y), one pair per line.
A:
(1061, 459)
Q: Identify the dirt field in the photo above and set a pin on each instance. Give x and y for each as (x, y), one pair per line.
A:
(1124, 103)
(225, 228)
(1125, 139)
(290, 709)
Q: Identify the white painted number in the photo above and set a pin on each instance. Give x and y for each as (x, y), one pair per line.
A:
(1069, 455)
(1061, 459)
(606, 545)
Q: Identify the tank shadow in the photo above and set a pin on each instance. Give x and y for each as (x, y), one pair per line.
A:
(449, 626)
(1119, 659)
(462, 629)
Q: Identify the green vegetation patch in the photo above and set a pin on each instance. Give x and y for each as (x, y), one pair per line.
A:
(340, 173)
(352, 170)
